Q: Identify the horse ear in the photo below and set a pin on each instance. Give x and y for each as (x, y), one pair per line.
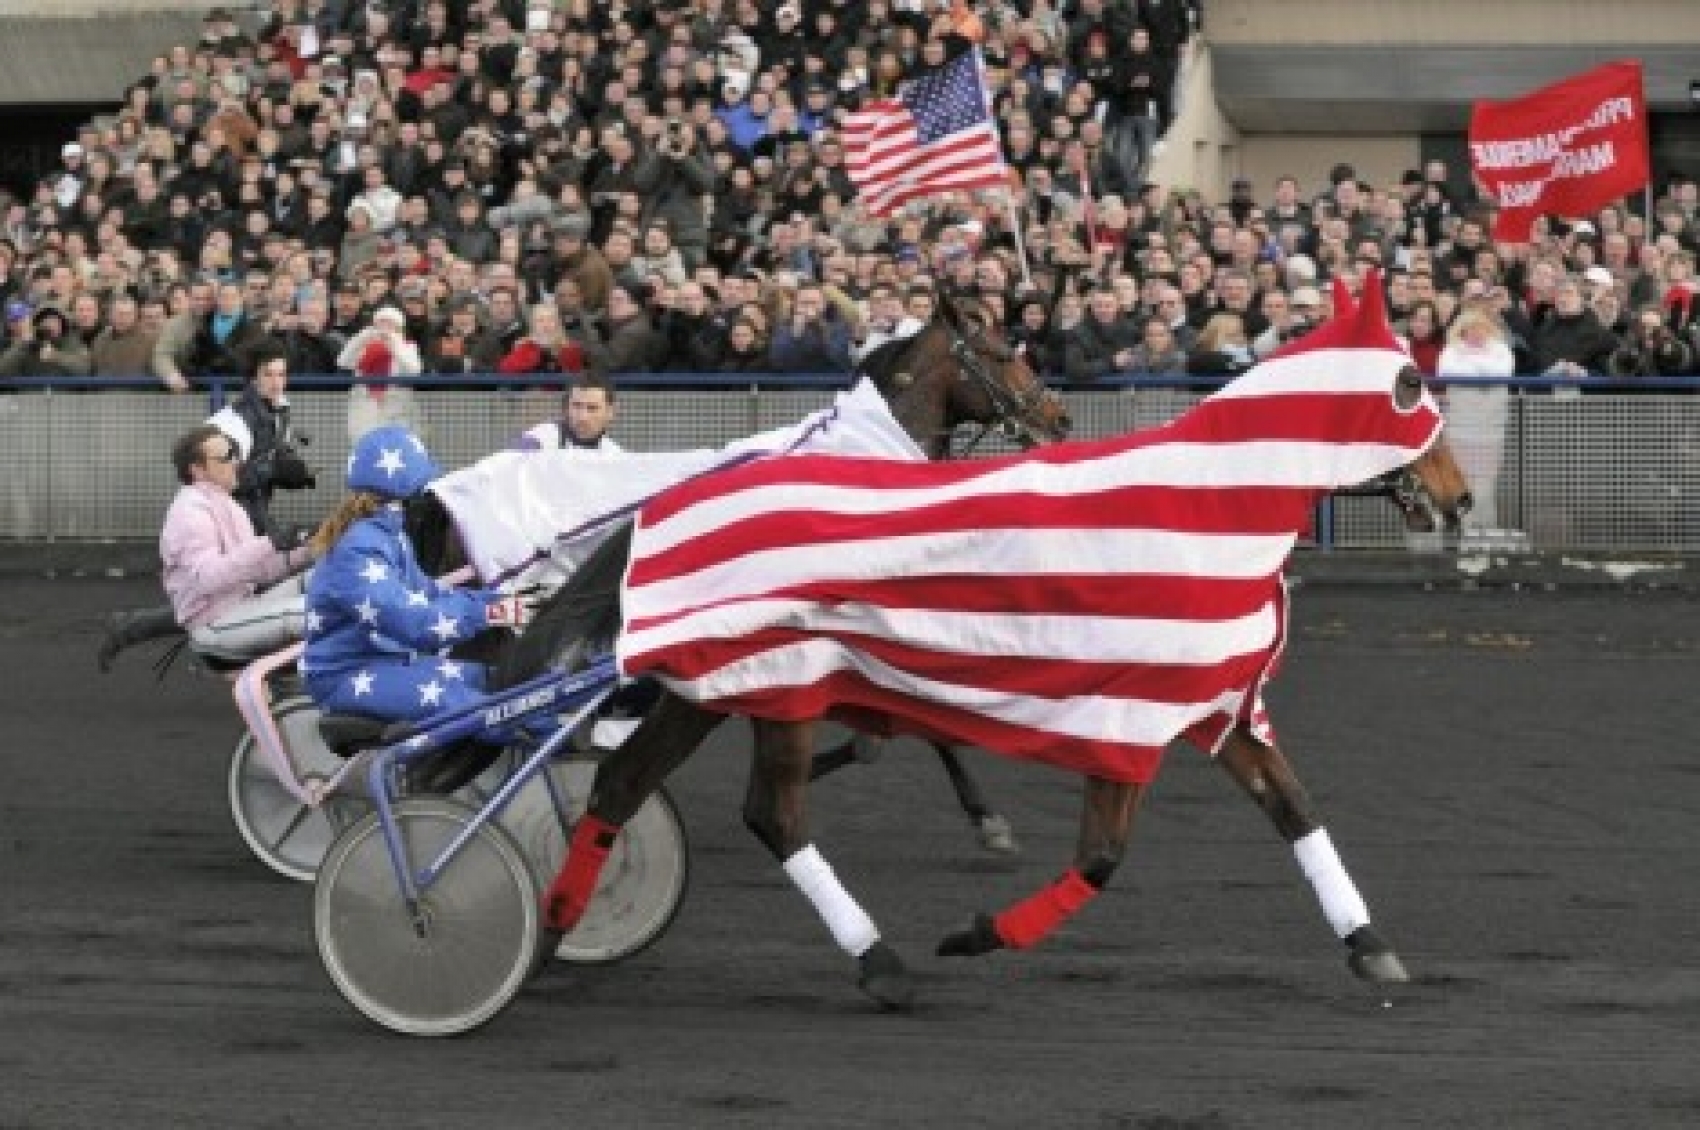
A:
(1373, 297)
(1344, 306)
(945, 310)
(1370, 318)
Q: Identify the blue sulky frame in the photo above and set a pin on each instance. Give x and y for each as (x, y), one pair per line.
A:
(566, 699)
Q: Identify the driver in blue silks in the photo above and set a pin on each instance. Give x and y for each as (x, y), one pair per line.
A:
(379, 630)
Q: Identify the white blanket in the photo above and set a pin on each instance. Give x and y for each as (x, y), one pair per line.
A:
(533, 516)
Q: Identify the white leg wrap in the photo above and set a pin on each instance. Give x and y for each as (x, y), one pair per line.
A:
(1341, 903)
(851, 927)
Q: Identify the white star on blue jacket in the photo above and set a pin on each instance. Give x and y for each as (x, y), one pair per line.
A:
(446, 628)
(391, 462)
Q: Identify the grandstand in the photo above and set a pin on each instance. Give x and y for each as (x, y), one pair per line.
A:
(543, 186)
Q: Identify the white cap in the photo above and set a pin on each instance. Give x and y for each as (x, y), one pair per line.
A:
(235, 428)
(390, 314)
(71, 149)
(1599, 276)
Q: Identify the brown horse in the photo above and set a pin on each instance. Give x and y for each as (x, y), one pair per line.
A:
(775, 806)
(949, 386)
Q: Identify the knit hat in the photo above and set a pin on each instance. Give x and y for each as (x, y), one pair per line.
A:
(390, 462)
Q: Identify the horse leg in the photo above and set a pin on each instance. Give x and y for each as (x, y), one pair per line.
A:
(776, 811)
(1268, 778)
(857, 749)
(995, 832)
(863, 749)
(1106, 821)
(626, 778)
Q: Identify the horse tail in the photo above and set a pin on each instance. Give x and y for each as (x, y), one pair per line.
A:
(579, 620)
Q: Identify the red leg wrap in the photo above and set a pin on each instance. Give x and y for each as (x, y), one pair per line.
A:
(1027, 923)
(567, 898)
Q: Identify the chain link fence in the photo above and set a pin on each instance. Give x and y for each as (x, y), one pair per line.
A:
(1580, 473)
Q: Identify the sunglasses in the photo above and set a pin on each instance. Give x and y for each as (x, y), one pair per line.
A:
(232, 454)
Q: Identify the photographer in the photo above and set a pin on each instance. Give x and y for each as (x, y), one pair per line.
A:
(674, 184)
(45, 348)
(258, 420)
(1651, 349)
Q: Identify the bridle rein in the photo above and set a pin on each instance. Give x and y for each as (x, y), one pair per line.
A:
(1014, 413)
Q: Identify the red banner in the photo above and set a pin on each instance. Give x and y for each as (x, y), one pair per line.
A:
(1567, 149)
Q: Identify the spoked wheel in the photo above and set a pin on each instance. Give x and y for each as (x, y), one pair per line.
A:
(458, 960)
(285, 833)
(643, 883)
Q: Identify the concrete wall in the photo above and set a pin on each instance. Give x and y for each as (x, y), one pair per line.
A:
(1379, 160)
(1520, 23)
(1204, 150)
(85, 53)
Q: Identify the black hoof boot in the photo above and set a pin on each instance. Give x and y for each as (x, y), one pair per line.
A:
(884, 977)
(1372, 959)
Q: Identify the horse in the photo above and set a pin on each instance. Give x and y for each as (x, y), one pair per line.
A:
(767, 659)
(948, 386)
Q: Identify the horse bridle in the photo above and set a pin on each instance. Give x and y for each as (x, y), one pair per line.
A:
(1012, 410)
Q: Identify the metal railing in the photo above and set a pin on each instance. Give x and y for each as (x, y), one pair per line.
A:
(87, 460)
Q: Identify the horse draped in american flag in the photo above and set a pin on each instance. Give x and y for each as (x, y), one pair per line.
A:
(1083, 605)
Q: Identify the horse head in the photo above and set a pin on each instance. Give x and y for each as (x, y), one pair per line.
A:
(992, 384)
(1431, 485)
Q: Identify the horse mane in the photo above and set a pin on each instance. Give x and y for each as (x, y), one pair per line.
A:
(583, 614)
(882, 364)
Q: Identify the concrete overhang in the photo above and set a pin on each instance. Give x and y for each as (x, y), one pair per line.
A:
(1382, 89)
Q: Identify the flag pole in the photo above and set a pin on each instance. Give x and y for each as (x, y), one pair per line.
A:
(1018, 228)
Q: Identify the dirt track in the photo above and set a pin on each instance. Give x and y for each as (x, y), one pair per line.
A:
(1513, 779)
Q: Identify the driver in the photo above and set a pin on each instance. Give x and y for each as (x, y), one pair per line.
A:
(379, 630)
(214, 564)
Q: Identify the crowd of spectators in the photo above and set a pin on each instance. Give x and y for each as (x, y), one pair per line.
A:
(529, 187)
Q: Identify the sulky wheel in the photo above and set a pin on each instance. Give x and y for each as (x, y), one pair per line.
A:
(456, 962)
(285, 833)
(643, 884)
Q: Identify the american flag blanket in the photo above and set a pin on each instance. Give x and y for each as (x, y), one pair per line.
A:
(1082, 605)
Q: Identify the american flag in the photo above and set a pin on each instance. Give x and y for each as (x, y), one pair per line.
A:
(936, 136)
(1082, 604)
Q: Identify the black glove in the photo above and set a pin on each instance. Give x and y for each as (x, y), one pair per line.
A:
(288, 538)
(291, 472)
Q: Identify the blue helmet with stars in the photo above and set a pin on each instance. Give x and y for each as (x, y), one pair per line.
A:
(390, 462)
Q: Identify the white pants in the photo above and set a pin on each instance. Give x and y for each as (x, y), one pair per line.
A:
(1475, 428)
(266, 622)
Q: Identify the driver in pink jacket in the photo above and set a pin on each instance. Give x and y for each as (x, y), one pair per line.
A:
(215, 564)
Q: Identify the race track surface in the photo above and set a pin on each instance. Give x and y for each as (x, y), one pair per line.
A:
(1512, 778)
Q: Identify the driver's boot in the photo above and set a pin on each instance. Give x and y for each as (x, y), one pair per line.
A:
(129, 627)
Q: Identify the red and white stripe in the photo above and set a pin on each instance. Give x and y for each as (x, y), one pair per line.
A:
(1083, 604)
